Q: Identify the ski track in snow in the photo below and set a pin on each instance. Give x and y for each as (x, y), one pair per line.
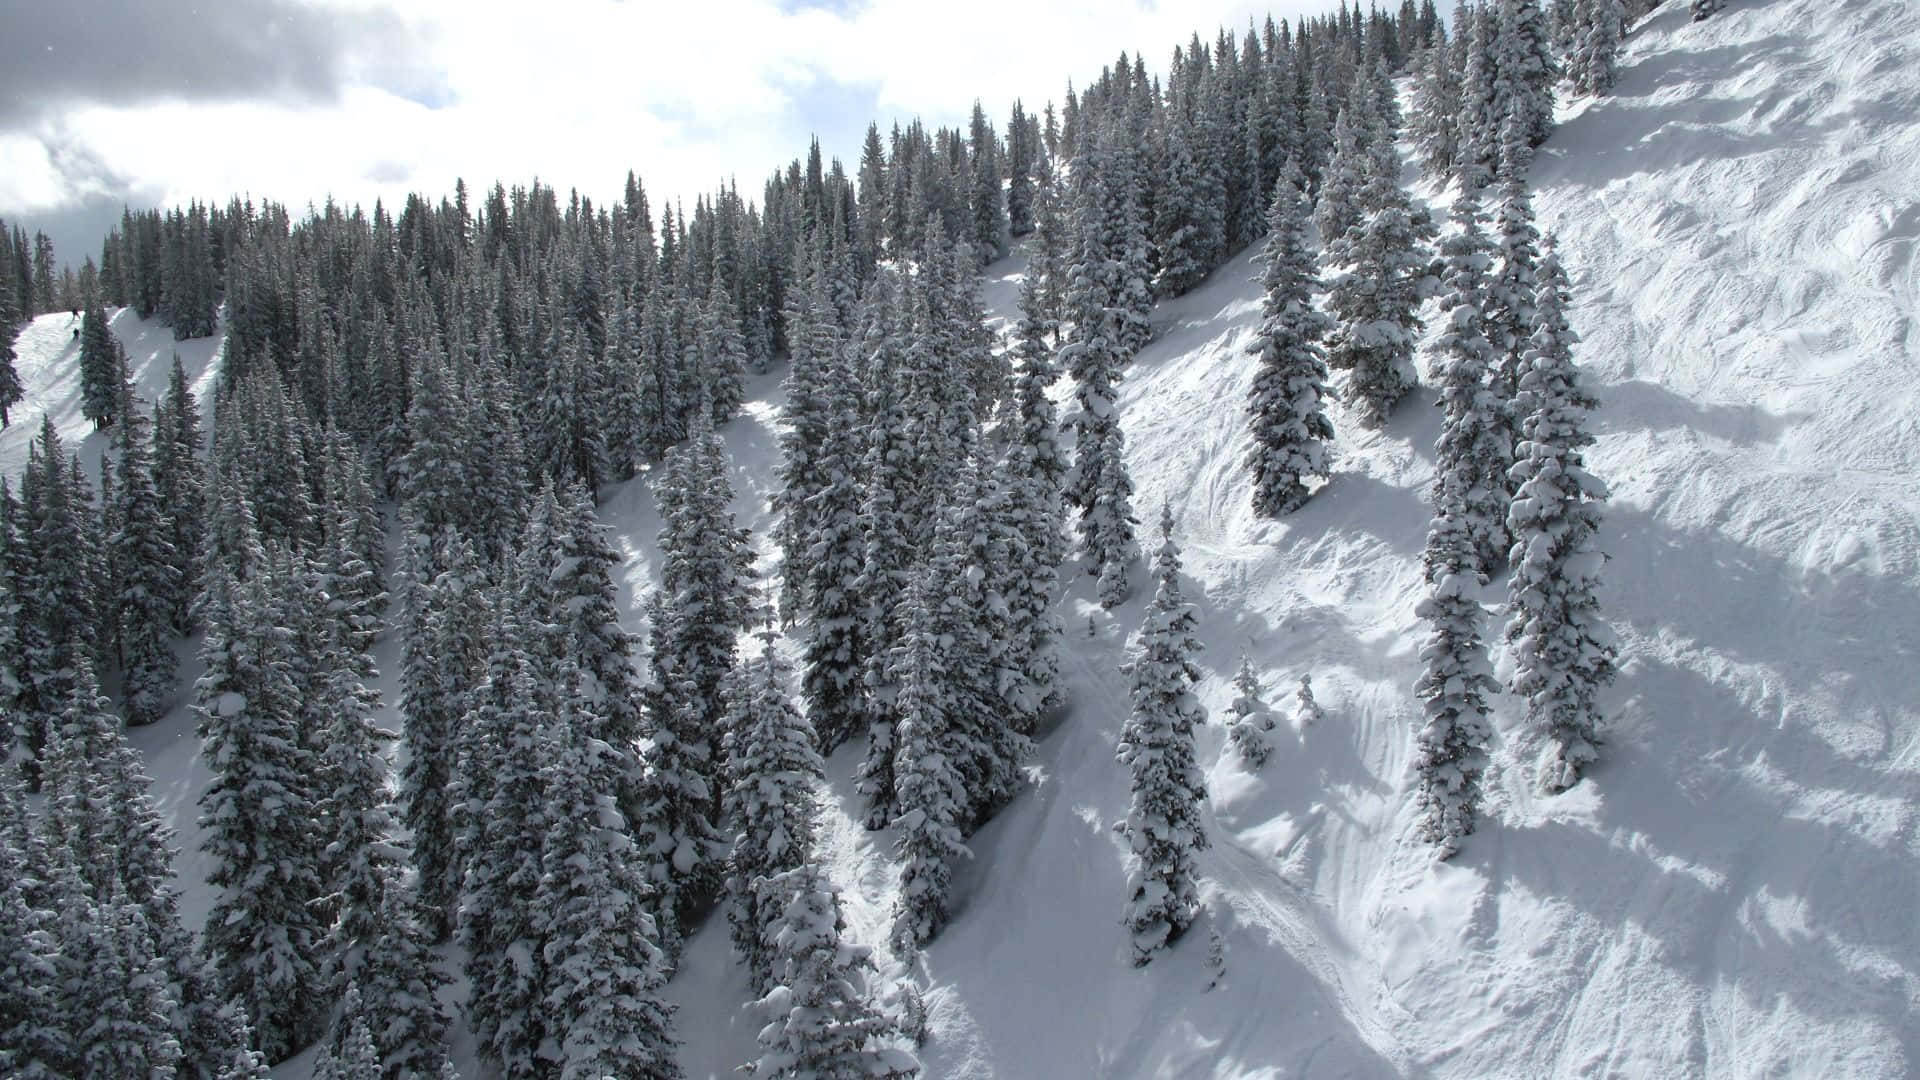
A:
(1731, 892)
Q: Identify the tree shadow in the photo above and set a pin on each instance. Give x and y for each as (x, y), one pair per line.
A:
(1634, 405)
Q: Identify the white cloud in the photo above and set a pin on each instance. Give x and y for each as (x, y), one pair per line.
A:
(578, 91)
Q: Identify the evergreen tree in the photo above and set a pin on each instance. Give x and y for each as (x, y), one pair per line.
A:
(1290, 425)
(579, 600)
(504, 825)
(1107, 329)
(181, 487)
(141, 553)
(1524, 70)
(257, 814)
(1337, 210)
(773, 773)
(1436, 115)
(930, 797)
(1593, 54)
(444, 660)
(1450, 751)
(601, 970)
(820, 1020)
(1376, 292)
(1477, 35)
(103, 368)
(813, 344)
(375, 949)
(699, 611)
(1034, 474)
(101, 813)
(1251, 720)
(116, 993)
(1510, 314)
(353, 552)
(1562, 648)
(353, 1056)
(1472, 455)
(1163, 826)
(33, 1040)
(11, 390)
(1700, 9)
(836, 645)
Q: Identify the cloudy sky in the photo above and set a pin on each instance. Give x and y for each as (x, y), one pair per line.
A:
(154, 102)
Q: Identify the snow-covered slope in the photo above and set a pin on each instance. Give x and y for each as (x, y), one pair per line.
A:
(1731, 893)
(49, 366)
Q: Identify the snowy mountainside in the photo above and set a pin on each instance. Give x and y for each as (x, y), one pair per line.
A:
(49, 366)
(1729, 894)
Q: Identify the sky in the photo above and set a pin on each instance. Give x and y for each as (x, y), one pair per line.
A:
(155, 102)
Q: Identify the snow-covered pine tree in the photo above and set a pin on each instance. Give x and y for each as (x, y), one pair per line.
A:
(33, 1041)
(1593, 60)
(601, 970)
(1472, 455)
(100, 811)
(141, 552)
(179, 481)
(1436, 115)
(11, 390)
(1477, 36)
(1163, 827)
(257, 812)
(1450, 750)
(580, 595)
(353, 1055)
(444, 661)
(701, 606)
(773, 773)
(988, 234)
(1525, 70)
(1106, 525)
(1188, 218)
(1562, 647)
(1510, 314)
(103, 367)
(1336, 211)
(353, 553)
(1251, 720)
(723, 353)
(836, 646)
(54, 566)
(821, 1021)
(1306, 711)
(977, 551)
(812, 344)
(929, 795)
(1101, 343)
(1035, 470)
(376, 947)
(1700, 9)
(1376, 291)
(1285, 404)
(505, 823)
(116, 992)
(887, 471)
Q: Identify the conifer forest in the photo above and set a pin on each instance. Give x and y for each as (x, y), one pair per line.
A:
(1383, 543)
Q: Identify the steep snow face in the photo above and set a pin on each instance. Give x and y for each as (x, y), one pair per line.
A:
(48, 360)
(1730, 893)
